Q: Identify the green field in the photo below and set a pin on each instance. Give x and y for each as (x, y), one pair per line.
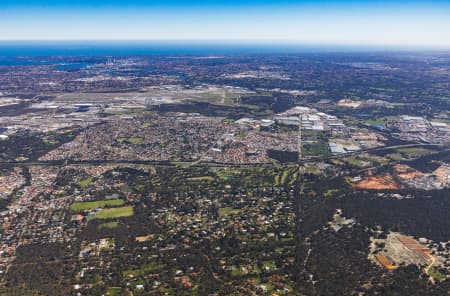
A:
(203, 178)
(85, 182)
(435, 274)
(223, 212)
(395, 156)
(90, 205)
(374, 159)
(224, 175)
(135, 140)
(144, 269)
(375, 121)
(308, 135)
(317, 149)
(414, 152)
(330, 192)
(282, 177)
(441, 119)
(354, 161)
(112, 213)
(269, 265)
(109, 225)
(113, 291)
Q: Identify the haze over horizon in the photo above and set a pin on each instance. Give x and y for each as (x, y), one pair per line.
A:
(367, 23)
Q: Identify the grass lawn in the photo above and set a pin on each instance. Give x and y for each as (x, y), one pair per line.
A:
(330, 192)
(354, 161)
(113, 291)
(435, 274)
(314, 136)
(139, 187)
(377, 159)
(282, 178)
(285, 175)
(441, 119)
(236, 271)
(223, 212)
(395, 156)
(135, 140)
(269, 265)
(375, 121)
(90, 205)
(279, 250)
(85, 182)
(203, 178)
(277, 180)
(144, 269)
(227, 174)
(317, 149)
(414, 152)
(111, 225)
(256, 269)
(112, 213)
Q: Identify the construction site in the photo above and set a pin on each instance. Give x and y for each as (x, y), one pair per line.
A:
(397, 250)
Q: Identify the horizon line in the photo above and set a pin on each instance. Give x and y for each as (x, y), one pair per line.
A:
(240, 42)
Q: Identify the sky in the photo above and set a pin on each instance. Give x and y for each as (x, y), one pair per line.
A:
(380, 23)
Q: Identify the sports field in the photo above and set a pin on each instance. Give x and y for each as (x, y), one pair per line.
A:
(90, 205)
(112, 213)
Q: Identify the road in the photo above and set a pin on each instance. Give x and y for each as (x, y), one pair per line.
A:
(64, 162)
(427, 269)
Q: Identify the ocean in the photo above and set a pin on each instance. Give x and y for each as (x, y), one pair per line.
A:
(132, 48)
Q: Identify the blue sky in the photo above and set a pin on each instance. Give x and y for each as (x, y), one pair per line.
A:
(383, 23)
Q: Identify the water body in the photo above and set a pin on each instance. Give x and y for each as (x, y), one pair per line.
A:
(71, 66)
(15, 49)
(14, 61)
